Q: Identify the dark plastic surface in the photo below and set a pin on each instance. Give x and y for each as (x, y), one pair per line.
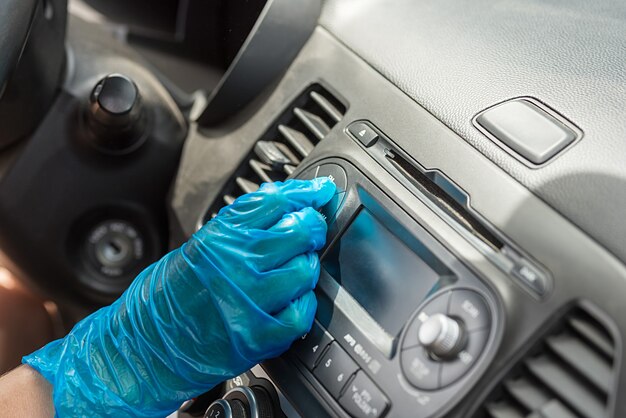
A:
(335, 369)
(365, 134)
(527, 129)
(59, 188)
(280, 32)
(363, 399)
(312, 346)
(32, 44)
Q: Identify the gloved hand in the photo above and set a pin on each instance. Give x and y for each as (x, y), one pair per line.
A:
(237, 293)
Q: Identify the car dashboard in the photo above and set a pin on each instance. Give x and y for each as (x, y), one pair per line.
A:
(474, 263)
(438, 218)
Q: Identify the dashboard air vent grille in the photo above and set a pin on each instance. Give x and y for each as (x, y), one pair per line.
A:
(306, 122)
(570, 374)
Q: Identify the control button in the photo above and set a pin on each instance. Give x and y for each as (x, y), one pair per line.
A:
(441, 336)
(419, 369)
(219, 409)
(115, 116)
(527, 128)
(310, 347)
(336, 173)
(471, 308)
(530, 276)
(330, 209)
(363, 399)
(455, 369)
(364, 133)
(335, 369)
(434, 306)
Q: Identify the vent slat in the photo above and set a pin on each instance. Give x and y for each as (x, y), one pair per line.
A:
(555, 409)
(246, 185)
(593, 336)
(297, 140)
(583, 359)
(313, 123)
(527, 393)
(278, 153)
(569, 373)
(261, 170)
(289, 169)
(326, 106)
(503, 410)
(566, 386)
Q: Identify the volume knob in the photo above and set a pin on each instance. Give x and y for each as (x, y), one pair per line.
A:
(441, 335)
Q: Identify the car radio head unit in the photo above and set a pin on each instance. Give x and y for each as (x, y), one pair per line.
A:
(401, 321)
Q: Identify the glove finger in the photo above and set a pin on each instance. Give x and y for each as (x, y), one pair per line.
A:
(276, 289)
(296, 233)
(297, 318)
(266, 206)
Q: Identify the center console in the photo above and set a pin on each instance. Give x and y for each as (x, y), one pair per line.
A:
(401, 321)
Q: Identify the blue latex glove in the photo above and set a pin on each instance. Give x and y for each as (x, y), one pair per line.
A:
(237, 293)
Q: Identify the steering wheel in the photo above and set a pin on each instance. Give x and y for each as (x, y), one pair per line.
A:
(15, 21)
(32, 59)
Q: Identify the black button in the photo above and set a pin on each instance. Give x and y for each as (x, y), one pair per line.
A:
(436, 305)
(419, 369)
(362, 399)
(215, 411)
(335, 369)
(364, 133)
(455, 369)
(336, 174)
(310, 347)
(471, 308)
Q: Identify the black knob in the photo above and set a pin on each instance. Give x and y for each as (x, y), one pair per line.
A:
(243, 402)
(116, 119)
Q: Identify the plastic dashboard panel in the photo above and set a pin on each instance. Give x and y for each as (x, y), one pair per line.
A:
(457, 58)
(581, 268)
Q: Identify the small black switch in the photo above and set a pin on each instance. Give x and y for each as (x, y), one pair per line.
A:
(362, 399)
(311, 346)
(364, 133)
(335, 369)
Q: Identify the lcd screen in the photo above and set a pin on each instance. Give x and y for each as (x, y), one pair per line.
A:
(387, 276)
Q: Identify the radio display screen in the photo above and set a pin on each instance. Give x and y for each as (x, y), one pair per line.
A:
(386, 275)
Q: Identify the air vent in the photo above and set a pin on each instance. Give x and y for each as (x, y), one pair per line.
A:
(307, 121)
(569, 374)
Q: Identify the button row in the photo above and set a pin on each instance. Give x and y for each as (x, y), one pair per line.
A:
(340, 375)
(428, 373)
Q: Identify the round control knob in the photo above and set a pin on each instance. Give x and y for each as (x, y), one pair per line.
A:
(115, 116)
(441, 335)
(226, 409)
(243, 402)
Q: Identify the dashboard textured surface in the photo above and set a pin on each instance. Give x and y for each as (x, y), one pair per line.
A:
(456, 58)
